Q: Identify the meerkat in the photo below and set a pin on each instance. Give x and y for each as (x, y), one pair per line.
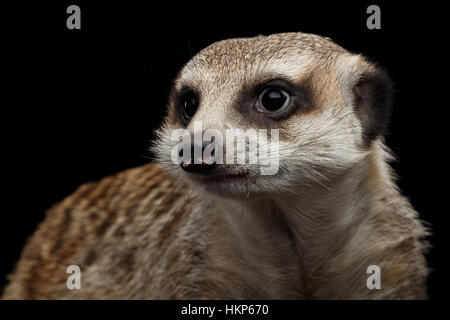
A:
(223, 231)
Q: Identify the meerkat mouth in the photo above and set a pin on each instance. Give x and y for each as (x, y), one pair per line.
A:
(220, 178)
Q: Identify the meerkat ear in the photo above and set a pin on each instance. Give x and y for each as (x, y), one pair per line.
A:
(372, 100)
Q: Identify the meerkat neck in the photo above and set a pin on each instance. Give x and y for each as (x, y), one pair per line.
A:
(333, 207)
(319, 225)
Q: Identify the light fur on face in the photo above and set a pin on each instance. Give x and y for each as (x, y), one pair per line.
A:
(317, 144)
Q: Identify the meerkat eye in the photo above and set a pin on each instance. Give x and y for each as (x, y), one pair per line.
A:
(272, 100)
(189, 103)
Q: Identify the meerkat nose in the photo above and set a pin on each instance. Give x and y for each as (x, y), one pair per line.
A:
(203, 164)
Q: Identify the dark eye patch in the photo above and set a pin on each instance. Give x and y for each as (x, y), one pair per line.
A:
(186, 103)
(298, 95)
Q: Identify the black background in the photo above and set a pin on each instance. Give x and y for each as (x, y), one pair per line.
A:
(82, 104)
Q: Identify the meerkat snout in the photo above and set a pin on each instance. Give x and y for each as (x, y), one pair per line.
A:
(197, 162)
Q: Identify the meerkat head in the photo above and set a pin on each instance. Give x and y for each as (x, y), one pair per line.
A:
(268, 115)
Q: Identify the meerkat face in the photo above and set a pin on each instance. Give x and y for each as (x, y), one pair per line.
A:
(304, 107)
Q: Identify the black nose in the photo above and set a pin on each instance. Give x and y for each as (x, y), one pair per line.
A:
(203, 165)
